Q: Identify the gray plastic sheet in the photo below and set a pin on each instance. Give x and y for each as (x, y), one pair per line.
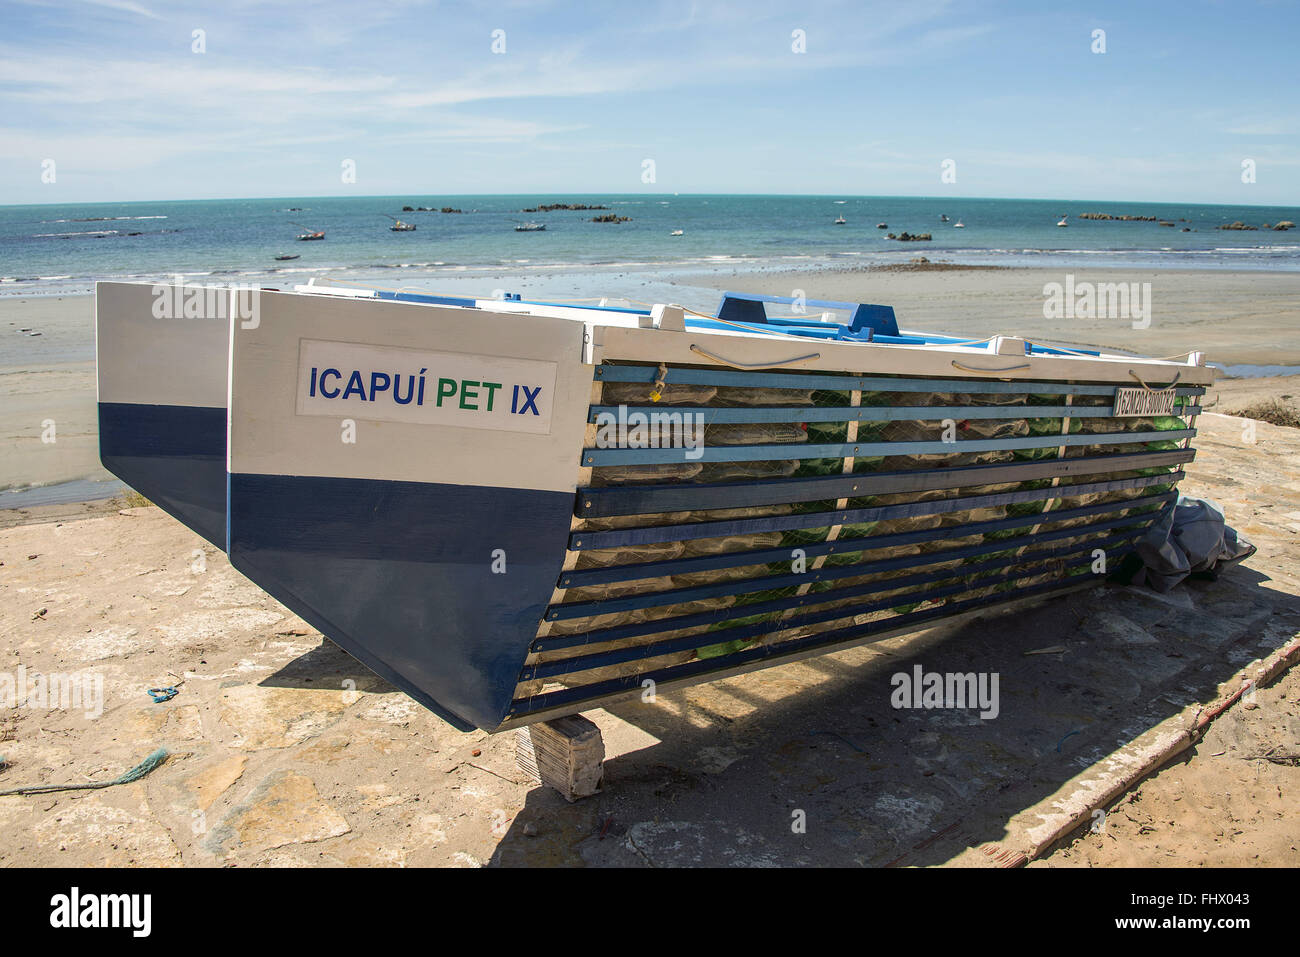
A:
(1192, 538)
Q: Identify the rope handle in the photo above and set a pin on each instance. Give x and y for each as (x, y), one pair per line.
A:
(754, 365)
(1177, 376)
(966, 368)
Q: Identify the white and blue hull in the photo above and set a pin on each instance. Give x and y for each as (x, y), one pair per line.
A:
(425, 481)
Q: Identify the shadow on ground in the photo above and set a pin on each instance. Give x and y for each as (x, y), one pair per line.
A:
(741, 761)
(327, 667)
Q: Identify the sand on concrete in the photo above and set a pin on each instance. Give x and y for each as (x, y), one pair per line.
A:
(285, 751)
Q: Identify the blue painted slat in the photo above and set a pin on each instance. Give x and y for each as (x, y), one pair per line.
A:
(682, 566)
(582, 540)
(533, 704)
(715, 415)
(625, 310)
(749, 308)
(597, 458)
(830, 332)
(844, 383)
(799, 322)
(1031, 543)
(666, 646)
(643, 499)
(422, 297)
(676, 596)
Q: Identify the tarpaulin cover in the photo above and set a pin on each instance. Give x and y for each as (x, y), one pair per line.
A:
(1192, 538)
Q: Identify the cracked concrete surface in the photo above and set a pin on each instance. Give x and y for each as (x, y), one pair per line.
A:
(284, 751)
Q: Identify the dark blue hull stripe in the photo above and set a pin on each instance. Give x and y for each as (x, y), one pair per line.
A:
(666, 624)
(400, 575)
(678, 596)
(782, 523)
(699, 670)
(640, 499)
(682, 566)
(173, 455)
(966, 581)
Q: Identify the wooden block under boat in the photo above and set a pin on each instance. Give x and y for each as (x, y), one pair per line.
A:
(566, 753)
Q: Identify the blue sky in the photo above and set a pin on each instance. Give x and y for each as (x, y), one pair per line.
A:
(713, 93)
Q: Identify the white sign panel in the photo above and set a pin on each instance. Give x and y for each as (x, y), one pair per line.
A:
(1130, 402)
(355, 380)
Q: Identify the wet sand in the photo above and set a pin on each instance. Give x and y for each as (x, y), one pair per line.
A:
(44, 379)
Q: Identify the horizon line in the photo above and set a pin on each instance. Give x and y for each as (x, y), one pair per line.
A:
(1025, 199)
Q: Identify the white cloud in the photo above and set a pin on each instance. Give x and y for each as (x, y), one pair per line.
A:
(125, 6)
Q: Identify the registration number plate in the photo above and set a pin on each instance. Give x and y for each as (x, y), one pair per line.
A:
(1130, 402)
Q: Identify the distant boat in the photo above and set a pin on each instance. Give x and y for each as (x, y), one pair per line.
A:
(310, 234)
(882, 225)
(840, 202)
(943, 217)
(1063, 222)
(959, 225)
(530, 227)
(287, 256)
(678, 232)
(401, 227)
(840, 221)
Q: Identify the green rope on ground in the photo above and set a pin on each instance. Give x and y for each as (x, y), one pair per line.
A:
(135, 774)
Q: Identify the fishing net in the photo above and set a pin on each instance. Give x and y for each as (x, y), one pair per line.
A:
(935, 554)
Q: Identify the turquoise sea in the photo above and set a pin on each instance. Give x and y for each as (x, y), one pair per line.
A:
(52, 249)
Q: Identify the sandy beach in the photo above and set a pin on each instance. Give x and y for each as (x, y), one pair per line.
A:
(273, 764)
(1250, 318)
(1233, 317)
(285, 752)
(47, 378)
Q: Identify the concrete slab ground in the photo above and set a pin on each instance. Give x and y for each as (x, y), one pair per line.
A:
(284, 751)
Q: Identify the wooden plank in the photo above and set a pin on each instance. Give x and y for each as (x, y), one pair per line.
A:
(567, 753)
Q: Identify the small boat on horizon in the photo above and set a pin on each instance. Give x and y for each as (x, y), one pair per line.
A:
(959, 225)
(530, 227)
(840, 221)
(1063, 222)
(310, 234)
(401, 227)
(287, 256)
(678, 232)
(943, 217)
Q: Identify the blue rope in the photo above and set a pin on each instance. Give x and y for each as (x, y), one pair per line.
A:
(135, 774)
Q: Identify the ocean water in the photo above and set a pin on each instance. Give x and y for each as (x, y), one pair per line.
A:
(62, 250)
